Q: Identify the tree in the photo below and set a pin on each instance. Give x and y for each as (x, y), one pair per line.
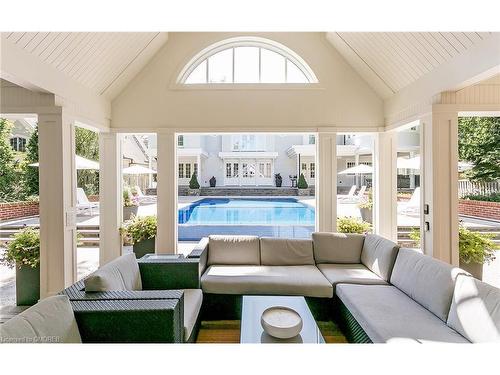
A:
(31, 175)
(478, 143)
(302, 184)
(87, 146)
(10, 188)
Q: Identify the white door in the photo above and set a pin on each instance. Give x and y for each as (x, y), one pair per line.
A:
(264, 172)
(248, 172)
(232, 173)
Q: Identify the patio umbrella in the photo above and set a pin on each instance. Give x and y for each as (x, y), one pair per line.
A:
(408, 163)
(80, 163)
(358, 169)
(138, 169)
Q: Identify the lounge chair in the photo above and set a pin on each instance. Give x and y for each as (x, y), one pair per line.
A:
(356, 198)
(349, 195)
(412, 206)
(82, 202)
(142, 197)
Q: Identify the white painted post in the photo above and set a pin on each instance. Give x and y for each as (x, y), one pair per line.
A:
(385, 189)
(326, 194)
(57, 201)
(441, 184)
(110, 196)
(166, 237)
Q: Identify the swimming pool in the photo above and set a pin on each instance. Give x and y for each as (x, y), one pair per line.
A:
(273, 217)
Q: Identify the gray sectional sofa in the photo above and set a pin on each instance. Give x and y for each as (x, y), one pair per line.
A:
(376, 291)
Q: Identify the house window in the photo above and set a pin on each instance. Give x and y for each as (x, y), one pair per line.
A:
(247, 60)
(312, 170)
(181, 170)
(180, 141)
(18, 144)
(312, 139)
(188, 170)
(304, 167)
(351, 164)
(235, 169)
(195, 169)
(249, 142)
(228, 170)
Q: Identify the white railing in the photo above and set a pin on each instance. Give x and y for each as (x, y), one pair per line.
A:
(466, 187)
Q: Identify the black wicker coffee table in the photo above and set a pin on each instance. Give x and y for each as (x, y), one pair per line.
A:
(252, 331)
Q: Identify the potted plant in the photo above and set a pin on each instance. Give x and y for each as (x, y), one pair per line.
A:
(302, 185)
(141, 233)
(474, 249)
(347, 224)
(366, 208)
(213, 181)
(194, 186)
(130, 204)
(23, 252)
(278, 180)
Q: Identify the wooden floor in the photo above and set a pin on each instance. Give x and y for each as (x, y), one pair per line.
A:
(228, 332)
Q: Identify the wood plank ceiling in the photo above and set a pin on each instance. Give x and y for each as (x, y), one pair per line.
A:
(389, 61)
(94, 59)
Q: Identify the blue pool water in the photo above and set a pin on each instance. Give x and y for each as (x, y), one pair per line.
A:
(273, 217)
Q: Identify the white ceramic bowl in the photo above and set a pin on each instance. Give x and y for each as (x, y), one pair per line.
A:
(281, 322)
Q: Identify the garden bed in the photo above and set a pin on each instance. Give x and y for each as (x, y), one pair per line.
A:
(14, 210)
(482, 209)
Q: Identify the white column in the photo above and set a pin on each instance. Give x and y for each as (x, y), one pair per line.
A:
(57, 202)
(326, 194)
(166, 238)
(440, 184)
(110, 197)
(357, 178)
(385, 189)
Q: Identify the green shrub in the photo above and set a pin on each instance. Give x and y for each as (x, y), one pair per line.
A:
(193, 182)
(129, 199)
(352, 225)
(493, 197)
(368, 203)
(24, 250)
(302, 184)
(139, 229)
(473, 247)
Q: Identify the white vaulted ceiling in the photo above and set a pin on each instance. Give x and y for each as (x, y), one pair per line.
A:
(390, 61)
(102, 62)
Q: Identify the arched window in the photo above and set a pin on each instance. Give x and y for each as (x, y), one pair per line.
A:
(247, 60)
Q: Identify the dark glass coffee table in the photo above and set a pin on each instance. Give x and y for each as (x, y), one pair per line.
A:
(253, 333)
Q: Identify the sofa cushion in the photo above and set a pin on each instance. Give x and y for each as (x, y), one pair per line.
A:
(475, 310)
(388, 315)
(49, 321)
(275, 280)
(233, 250)
(192, 305)
(379, 255)
(120, 274)
(349, 274)
(286, 252)
(337, 247)
(428, 281)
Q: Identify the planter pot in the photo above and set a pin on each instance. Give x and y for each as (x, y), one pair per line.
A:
(366, 214)
(144, 247)
(475, 269)
(129, 211)
(212, 181)
(193, 192)
(304, 192)
(27, 285)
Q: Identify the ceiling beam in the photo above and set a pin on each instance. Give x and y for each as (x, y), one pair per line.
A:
(474, 65)
(26, 70)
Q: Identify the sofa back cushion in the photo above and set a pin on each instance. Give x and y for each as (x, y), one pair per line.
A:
(337, 247)
(233, 250)
(120, 274)
(286, 252)
(428, 281)
(49, 321)
(475, 310)
(379, 255)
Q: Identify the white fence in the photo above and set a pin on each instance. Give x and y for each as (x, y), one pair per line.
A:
(466, 187)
